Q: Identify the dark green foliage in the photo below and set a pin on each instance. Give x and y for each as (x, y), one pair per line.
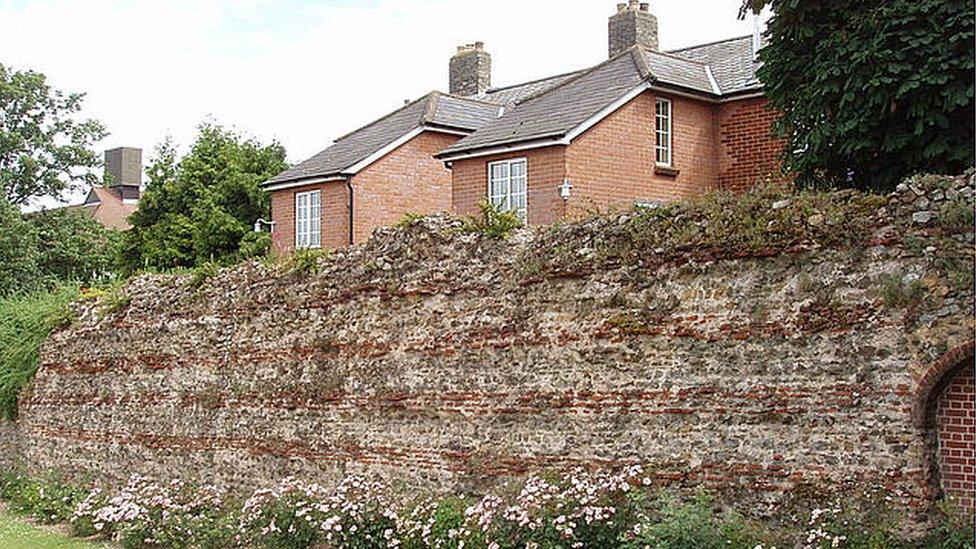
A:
(693, 524)
(25, 322)
(872, 91)
(255, 244)
(74, 247)
(19, 267)
(44, 149)
(305, 261)
(51, 247)
(202, 207)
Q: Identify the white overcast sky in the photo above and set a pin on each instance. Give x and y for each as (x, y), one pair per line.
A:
(302, 71)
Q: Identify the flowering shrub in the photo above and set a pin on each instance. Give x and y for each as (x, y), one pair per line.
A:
(582, 510)
(295, 514)
(145, 513)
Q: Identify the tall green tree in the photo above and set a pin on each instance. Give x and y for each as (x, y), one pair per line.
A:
(871, 91)
(201, 207)
(44, 249)
(45, 149)
(19, 268)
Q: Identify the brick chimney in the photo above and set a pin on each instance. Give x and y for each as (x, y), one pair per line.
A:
(470, 70)
(632, 24)
(123, 166)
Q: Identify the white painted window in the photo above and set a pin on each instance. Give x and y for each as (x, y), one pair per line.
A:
(308, 220)
(662, 120)
(507, 184)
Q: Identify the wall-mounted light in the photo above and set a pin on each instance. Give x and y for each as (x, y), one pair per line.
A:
(564, 189)
(260, 222)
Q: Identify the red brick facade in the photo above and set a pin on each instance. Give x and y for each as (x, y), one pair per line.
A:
(612, 165)
(956, 426)
(407, 180)
(546, 169)
(334, 215)
(747, 152)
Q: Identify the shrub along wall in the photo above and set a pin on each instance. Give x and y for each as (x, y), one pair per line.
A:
(765, 347)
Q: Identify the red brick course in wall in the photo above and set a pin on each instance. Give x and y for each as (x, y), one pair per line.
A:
(407, 180)
(747, 151)
(956, 425)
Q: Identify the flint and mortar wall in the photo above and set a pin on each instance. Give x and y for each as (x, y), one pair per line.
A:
(446, 361)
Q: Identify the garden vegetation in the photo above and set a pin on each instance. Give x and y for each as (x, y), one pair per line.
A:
(576, 510)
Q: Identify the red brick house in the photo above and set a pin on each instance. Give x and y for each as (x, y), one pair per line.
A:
(642, 127)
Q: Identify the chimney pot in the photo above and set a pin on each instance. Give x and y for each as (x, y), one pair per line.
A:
(630, 26)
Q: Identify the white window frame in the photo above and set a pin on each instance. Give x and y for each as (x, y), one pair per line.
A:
(505, 197)
(308, 219)
(663, 152)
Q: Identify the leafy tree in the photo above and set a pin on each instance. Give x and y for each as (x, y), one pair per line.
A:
(44, 148)
(871, 91)
(19, 269)
(202, 207)
(72, 246)
(47, 248)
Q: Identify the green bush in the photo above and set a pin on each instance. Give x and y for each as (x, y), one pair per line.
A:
(305, 261)
(254, 244)
(47, 499)
(492, 221)
(693, 524)
(25, 322)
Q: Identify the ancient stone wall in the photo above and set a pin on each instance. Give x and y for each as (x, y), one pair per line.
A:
(450, 360)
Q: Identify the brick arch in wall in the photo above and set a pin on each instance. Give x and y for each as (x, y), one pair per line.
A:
(945, 411)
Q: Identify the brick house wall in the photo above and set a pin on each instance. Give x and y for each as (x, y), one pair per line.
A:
(334, 216)
(747, 152)
(956, 454)
(546, 169)
(407, 180)
(611, 165)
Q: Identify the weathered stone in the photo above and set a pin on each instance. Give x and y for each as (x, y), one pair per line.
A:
(923, 217)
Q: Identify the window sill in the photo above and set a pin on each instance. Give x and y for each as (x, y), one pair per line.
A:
(666, 171)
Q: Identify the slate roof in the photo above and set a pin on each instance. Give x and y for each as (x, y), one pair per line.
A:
(435, 110)
(510, 95)
(732, 62)
(713, 70)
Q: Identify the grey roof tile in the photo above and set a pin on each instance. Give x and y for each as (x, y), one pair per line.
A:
(435, 109)
(510, 95)
(676, 71)
(555, 110)
(732, 62)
